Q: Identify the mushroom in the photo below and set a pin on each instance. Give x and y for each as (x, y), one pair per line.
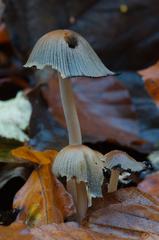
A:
(84, 170)
(117, 161)
(72, 56)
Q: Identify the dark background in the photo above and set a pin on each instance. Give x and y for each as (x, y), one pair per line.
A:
(124, 40)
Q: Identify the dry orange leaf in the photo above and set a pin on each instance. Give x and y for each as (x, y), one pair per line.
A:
(127, 213)
(16, 231)
(27, 153)
(151, 77)
(42, 199)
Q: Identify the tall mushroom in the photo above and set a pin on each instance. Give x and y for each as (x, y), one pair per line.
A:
(117, 161)
(72, 56)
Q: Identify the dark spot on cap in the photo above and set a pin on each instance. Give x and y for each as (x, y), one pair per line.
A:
(71, 39)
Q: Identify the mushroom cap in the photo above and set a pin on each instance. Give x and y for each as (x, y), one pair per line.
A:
(68, 53)
(122, 160)
(84, 164)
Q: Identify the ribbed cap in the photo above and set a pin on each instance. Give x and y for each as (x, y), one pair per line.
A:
(122, 160)
(83, 163)
(68, 53)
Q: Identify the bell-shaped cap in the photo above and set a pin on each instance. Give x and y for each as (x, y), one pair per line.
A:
(123, 161)
(84, 164)
(68, 53)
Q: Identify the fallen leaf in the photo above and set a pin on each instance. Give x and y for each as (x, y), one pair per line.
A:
(145, 107)
(4, 35)
(42, 199)
(16, 231)
(150, 185)
(14, 118)
(149, 237)
(41, 158)
(66, 231)
(107, 106)
(150, 76)
(127, 213)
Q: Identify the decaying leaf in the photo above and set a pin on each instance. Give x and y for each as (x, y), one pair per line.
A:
(41, 158)
(127, 213)
(14, 117)
(107, 106)
(16, 231)
(145, 107)
(150, 185)
(64, 231)
(150, 76)
(68, 231)
(42, 199)
(4, 35)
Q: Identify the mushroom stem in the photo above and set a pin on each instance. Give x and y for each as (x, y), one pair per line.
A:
(113, 182)
(79, 194)
(72, 121)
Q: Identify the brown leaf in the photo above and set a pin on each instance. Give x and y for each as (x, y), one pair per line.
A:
(68, 231)
(127, 213)
(150, 185)
(151, 78)
(105, 103)
(65, 231)
(42, 199)
(4, 35)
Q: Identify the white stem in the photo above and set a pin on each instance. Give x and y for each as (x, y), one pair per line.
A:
(72, 121)
(113, 183)
(79, 195)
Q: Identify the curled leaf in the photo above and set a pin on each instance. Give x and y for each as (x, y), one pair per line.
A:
(34, 156)
(42, 199)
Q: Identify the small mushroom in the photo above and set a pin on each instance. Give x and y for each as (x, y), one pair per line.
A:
(84, 170)
(118, 161)
(72, 56)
